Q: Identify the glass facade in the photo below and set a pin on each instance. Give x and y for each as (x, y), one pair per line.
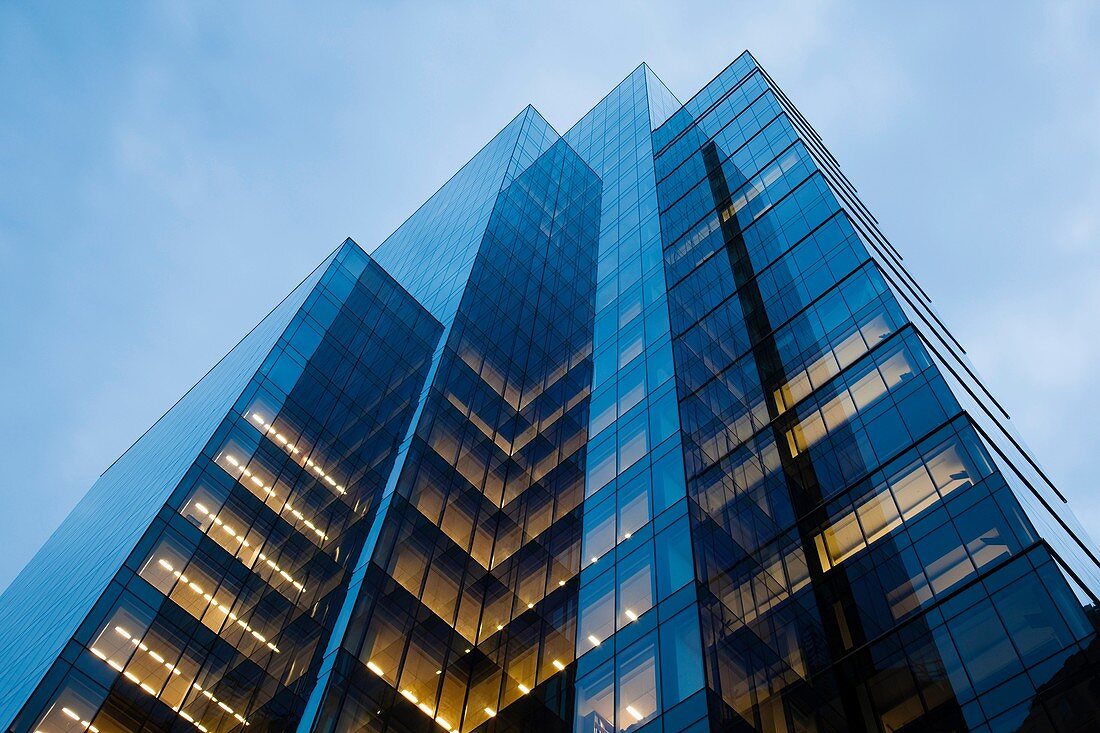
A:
(641, 427)
(874, 549)
(216, 614)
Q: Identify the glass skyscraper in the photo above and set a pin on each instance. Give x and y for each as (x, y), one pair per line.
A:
(643, 427)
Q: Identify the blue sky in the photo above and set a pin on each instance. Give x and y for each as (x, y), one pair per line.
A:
(170, 171)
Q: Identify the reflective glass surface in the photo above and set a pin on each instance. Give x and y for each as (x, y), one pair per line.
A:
(468, 610)
(644, 427)
(218, 613)
(863, 520)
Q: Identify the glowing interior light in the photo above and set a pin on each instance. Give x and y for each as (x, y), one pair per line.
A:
(634, 713)
(561, 582)
(271, 492)
(594, 559)
(270, 431)
(594, 640)
(558, 665)
(427, 710)
(410, 696)
(374, 668)
(530, 605)
(299, 516)
(631, 615)
(500, 627)
(239, 536)
(490, 712)
(232, 460)
(626, 535)
(211, 601)
(101, 655)
(523, 688)
(443, 723)
(146, 688)
(75, 716)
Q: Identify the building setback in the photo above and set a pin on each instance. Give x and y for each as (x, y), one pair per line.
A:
(641, 427)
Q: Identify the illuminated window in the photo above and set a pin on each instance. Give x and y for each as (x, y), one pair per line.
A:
(635, 592)
(172, 570)
(637, 684)
(597, 612)
(633, 499)
(73, 709)
(840, 409)
(150, 659)
(907, 492)
(596, 701)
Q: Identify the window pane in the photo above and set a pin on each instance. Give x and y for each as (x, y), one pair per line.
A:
(668, 481)
(681, 657)
(635, 585)
(633, 442)
(597, 612)
(984, 647)
(595, 702)
(633, 506)
(599, 530)
(601, 465)
(631, 387)
(674, 562)
(663, 418)
(637, 683)
(73, 708)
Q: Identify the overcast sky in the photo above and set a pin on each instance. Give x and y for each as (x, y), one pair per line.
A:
(168, 172)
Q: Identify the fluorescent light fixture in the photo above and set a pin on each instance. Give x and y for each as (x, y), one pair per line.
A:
(281, 439)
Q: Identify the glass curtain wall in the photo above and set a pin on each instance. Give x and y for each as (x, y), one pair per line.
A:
(866, 564)
(468, 612)
(216, 620)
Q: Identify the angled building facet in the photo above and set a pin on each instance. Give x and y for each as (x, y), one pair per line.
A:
(205, 568)
(641, 427)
